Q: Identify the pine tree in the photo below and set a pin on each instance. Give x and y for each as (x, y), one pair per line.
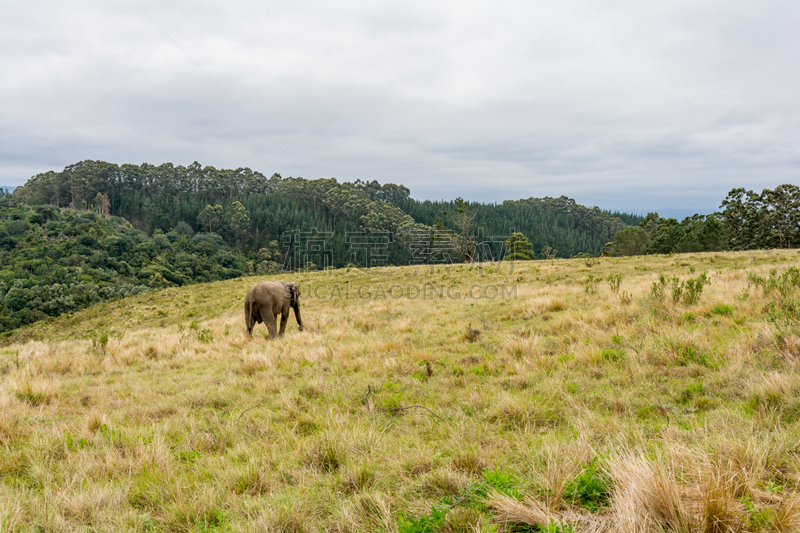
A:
(518, 247)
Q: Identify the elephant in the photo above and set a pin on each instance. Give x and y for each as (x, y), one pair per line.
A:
(266, 300)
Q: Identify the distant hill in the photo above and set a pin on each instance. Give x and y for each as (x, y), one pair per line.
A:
(160, 197)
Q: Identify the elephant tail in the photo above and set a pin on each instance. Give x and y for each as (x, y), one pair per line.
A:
(248, 316)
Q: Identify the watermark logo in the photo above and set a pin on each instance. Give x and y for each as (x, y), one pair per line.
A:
(368, 251)
(307, 250)
(432, 247)
(409, 291)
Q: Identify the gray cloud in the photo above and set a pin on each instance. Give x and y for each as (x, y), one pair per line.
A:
(627, 105)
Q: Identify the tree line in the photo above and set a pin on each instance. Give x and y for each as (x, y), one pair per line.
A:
(211, 200)
(747, 221)
(560, 223)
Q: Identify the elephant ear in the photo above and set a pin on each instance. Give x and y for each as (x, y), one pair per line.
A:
(294, 291)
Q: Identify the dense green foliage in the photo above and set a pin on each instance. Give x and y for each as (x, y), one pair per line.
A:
(161, 197)
(518, 247)
(55, 260)
(767, 220)
(657, 235)
(206, 199)
(590, 488)
(566, 226)
(747, 221)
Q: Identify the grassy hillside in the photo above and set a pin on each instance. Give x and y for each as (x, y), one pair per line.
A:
(591, 399)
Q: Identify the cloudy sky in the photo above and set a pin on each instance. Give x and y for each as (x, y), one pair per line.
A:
(633, 105)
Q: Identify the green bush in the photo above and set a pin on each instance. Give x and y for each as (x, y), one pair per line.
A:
(614, 281)
(16, 227)
(591, 489)
(657, 288)
(503, 481)
(689, 290)
(590, 284)
(687, 355)
(612, 354)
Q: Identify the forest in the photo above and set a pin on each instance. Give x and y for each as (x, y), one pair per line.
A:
(97, 231)
(152, 198)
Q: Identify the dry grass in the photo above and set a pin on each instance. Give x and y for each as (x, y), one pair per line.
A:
(647, 496)
(510, 511)
(500, 412)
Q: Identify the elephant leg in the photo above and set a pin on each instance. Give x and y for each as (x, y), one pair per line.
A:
(297, 316)
(272, 325)
(284, 320)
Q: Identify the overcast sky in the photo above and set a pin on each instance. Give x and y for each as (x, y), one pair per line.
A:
(633, 105)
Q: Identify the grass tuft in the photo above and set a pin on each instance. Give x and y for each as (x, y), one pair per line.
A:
(326, 455)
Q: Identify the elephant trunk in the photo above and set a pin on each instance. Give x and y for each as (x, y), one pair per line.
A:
(294, 291)
(296, 308)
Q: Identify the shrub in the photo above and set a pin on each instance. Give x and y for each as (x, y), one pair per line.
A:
(689, 290)
(657, 288)
(784, 284)
(16, 227)
(590, 284)
(783, 311)
(205, 336)
(555, 527)
(614, 281)
(99, 341)
(590, 489)
(500, 480)
(687, 355)
(694, 288)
